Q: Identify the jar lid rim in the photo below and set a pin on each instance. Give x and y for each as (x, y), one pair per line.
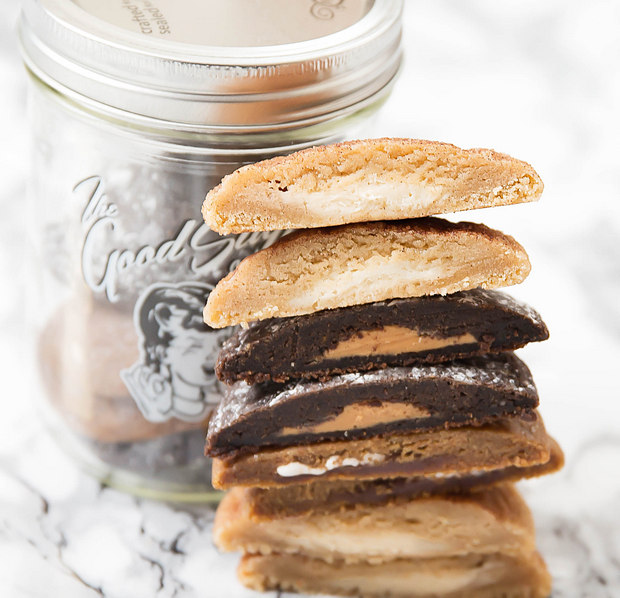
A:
(72, 17)
(64, 44)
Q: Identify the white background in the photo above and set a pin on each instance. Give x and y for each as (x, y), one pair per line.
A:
(539, 80)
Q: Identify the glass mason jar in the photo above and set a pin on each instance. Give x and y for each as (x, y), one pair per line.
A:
(134, 118)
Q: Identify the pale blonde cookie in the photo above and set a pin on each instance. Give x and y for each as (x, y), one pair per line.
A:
(471, 576)
(318, 269)
(490, 521)
(366, 180)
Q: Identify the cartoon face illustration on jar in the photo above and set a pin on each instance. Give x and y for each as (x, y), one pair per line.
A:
(175, 374)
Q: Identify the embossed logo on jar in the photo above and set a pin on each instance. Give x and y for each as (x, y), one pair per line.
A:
(203, 252)
(174, 376)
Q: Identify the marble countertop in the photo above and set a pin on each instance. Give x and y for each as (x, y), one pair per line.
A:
(538, 80)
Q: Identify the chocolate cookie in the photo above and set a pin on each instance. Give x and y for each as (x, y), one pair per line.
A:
(359, 405)
(375, 335)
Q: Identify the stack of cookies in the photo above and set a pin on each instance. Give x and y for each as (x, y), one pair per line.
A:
(375, 415)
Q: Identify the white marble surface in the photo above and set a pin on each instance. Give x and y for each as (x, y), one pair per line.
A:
(539, 80)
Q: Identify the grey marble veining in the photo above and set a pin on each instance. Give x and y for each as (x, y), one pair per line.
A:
(540, 80)
(62, 530)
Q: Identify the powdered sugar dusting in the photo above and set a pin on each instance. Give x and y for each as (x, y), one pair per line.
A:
(502, 372)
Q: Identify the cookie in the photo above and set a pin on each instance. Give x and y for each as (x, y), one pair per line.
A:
(398, 332)
(328, 496)
(509, 441)
(471, 576)
(81, 352)
(89, 344)
(366, 180)
(114, 421)
(359, 405)
(492, 520)
(314, 270)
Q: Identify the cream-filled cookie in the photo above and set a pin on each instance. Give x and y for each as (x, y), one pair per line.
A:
(366, 180)
(486, 522)
(471, 576)
(318, 269)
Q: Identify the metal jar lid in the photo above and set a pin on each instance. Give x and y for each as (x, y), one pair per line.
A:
(292, 62)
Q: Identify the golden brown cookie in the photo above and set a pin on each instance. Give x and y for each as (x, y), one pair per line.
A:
(486, 522)
(327, 496)
(89, 344)
(471, 576)
(354, 264)
(366, 180)
(82, 350)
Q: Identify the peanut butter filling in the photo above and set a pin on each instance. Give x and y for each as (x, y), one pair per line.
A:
(361, 416)
(392, 340)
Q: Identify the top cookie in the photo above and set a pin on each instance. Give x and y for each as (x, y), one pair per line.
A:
(367, 180)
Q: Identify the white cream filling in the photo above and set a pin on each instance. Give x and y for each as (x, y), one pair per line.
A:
(295, 468)
(389, 198)
(475, 472)
(418, 583)
(353, 542)
(371, 279)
